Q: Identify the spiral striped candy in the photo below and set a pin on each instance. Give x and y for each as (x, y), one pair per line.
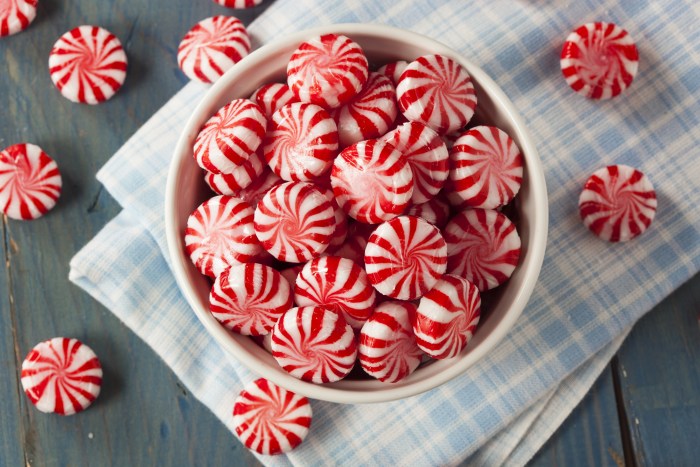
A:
(436, 211)
(240, 178)
(447, 317)
(251, 194)
(599, 60)
(486, 168)
(62, 376)
(30, 182)
(249, 298)
(294, 222)
(393, 70)
(269, 419)
(229, 138)
(387, 348)
(301, 143)
(220, 234)
(327, 70)
(618, 203)
(16, 16)
(405, 257)
(371, 181)
(314, 344)
(438, 92)
(88, 65)
(337, 284)
(272, 97)
(483, 246)
(238, 3)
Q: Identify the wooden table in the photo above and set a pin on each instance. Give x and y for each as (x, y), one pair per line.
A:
(644, 409)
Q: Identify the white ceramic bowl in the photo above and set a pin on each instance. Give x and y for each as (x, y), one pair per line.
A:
(186, 190)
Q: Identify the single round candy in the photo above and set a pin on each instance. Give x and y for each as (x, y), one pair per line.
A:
(314, 344)
(88, 64)
(251, 194)
(301, 143)
(16, 16)
(271, 97)
(212, 47)
(229, 138)
(599, 60)
(387, 348)
(294, 222)
(240, 178)
(249, 298)
(427, 156)
(327, 70)
(372, 182)
(438, 92)
(405, 257)
(337, 284)
(618, 203)
(370, 113)
(393, 70)
(269, 419)
(30, 182)
(483, 246)
(239, 3)
(62, 376)
(486, 168)
(447, 317)
(436, 211)
(220, 234)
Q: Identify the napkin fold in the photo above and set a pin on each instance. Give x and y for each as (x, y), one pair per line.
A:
(589, 294)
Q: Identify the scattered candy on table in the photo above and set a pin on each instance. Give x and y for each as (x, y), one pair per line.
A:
(16, 16)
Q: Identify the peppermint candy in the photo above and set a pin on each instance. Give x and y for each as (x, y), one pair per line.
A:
(269, 419)
(487, 168)
(483, 246)
(239, 179)
(372, 181)
(16, 16)
(314, 344)
(599, 60)
(387, 348)
(294, 222)
(88, 64)
(327, 70)
(438, 92)
(249, 298)
(301, 142)
(272, 97)
(436, 211)
(393, 70)
(251, 194)
(405, 257)
(62, 376)
(229, 138)
(340, 232)
(212, 47)
(355, 242)
(618, 203)
(30, 182)
(337, 284)
(238, 3)
(447, 317)
(220, 234)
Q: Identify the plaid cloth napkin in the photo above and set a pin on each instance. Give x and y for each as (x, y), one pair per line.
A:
(589, 294)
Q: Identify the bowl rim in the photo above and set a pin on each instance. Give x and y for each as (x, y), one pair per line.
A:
(533, 261)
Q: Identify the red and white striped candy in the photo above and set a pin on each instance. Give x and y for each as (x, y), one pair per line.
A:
(337, 284)
(269, 419)
(405, 257)
(250, 298)
(340, 232)
(301, 143)
(387, 348)
(436, 211)
(483, 246)
(327, 70)
(252, 194)
(599, 60)
(372, 182)
(229, 138)
(211, 47)
(30, 182)
(271, 97)
(88, 64)
(239, 3)
(240, 178)
(393, 70)
(427, 155)
(294, 222)
(314, 344)
(437, 92)
(618, 203)
(16, 16)
(486, 168)
(62, 376)
(447, 317)
(370, 113)
(220, 234)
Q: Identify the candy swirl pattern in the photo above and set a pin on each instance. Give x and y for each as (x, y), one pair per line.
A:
(16, 16)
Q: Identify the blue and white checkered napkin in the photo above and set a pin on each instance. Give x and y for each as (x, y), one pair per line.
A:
(589, 294)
